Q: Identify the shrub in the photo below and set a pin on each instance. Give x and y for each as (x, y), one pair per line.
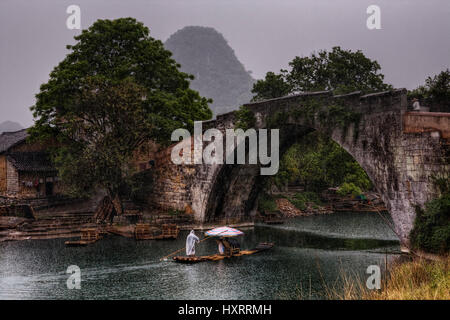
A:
(349, 188)
(431, 230)
(245, 118)
(266, 203)
(300, 200)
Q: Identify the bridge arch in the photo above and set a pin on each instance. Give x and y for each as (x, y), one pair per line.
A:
(400, 164)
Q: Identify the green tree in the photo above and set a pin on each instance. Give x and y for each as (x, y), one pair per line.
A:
(431, 230)
(339, 70)
(342, 71)
(435, 90)
(439, 86)
(273, 86)
(117, 88)
(245, 118)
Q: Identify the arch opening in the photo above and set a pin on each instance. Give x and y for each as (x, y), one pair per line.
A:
(237, 188)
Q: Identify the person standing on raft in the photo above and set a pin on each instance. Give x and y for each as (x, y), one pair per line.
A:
(190, 243)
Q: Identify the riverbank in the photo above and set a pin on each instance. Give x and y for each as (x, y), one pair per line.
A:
(417, 279)
(68, 220)
(295, 202)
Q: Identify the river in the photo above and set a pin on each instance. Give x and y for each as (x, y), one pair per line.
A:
(309, 252)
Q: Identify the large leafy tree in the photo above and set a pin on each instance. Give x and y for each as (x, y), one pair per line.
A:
(340, 70)
(116, 89)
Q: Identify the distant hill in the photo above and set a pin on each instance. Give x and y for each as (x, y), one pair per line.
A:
(204, 53)
(9, 126)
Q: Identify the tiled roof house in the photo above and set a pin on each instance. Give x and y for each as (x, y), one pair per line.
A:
(25, 168)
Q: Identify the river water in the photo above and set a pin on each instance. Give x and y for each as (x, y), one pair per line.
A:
(310, 253)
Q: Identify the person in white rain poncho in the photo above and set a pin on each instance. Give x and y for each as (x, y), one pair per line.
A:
(190, 243)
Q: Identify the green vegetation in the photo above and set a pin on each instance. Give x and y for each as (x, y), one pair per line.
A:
(349, 188)
(273, 86)
(116, 89)
(435, 90)
(219, 75)
(317, 163)
(300, 200)
(431, 232)
(267, 203)
(245, 118)
(342, 71)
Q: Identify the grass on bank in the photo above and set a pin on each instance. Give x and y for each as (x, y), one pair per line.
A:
(419, 279)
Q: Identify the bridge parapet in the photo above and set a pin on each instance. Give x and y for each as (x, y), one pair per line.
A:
(387, 101)
(394, 100)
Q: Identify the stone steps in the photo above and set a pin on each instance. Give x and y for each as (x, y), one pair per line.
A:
(33, 228)
(62, 215)
(59, 220)
(48, 232)
(51, 224)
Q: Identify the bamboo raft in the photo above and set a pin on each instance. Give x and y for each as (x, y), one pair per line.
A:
(216, 257)
(272, 218)
(88, 236)
(274, 221)
(143, 232)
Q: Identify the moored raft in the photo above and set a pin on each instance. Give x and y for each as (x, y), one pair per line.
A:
(168, 231)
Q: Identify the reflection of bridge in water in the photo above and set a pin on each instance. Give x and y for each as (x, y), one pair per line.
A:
(401, 152)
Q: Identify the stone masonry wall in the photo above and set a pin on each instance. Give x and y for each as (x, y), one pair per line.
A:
(3, 180)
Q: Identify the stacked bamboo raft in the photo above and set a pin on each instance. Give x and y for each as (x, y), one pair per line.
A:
(143, 231)
(88, 236)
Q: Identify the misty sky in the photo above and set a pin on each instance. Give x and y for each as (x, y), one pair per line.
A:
(413, 43)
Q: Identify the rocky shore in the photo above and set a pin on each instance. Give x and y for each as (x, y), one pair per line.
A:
(329, 204)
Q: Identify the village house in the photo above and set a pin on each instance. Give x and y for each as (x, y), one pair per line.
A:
(25, 168)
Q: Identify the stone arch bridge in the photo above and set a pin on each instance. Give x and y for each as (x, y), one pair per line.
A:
(400, 151)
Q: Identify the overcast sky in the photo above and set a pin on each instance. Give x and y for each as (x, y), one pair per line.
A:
(413, 43)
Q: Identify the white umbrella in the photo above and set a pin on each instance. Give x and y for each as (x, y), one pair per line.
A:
(224, 232)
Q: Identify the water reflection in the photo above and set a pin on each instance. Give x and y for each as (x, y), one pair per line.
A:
(308, 253)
